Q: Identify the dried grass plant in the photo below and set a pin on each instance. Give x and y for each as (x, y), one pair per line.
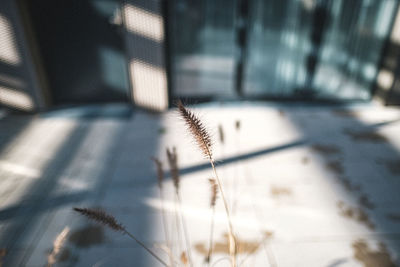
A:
(266, 236)
(109, 221)
(204, 142)
(160, 179)
(213, 201)
(174, 170)
(235, 187)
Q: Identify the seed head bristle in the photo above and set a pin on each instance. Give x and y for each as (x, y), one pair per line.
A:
(214, 192)
(173, 166)
(101, 217)
(160, 172)
(197, 129)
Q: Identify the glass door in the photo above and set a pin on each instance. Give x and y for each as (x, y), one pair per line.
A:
(327, 49)
(202, 47)
(301, 49)
(277, 48)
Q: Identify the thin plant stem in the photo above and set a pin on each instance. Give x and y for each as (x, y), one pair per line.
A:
(164, 220)
(210, 248)
(173, 164)
(270, 255)
(146, 248)
(178, 230)
(235, 176)
(160, 178)
(232, 241)
(109, 221)
(185, 232)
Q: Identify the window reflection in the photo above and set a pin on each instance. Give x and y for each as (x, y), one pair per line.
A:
(8, 49)
(144, 23)
(17, 99)
(326, 49)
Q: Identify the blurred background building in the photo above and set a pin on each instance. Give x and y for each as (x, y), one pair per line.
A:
(148, 52)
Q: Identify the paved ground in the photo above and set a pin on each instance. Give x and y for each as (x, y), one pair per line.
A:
(307, 186)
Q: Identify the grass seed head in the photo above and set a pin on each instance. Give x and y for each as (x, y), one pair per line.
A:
(221, 134)
(197, 130)
(101, 217)
(214, 192)
(173, 166)
(160, 172)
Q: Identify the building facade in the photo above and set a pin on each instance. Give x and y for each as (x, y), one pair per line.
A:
(148, 52)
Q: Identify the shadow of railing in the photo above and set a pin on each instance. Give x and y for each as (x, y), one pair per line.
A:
(238, 158)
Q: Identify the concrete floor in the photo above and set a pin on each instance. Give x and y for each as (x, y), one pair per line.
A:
(307, 186)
